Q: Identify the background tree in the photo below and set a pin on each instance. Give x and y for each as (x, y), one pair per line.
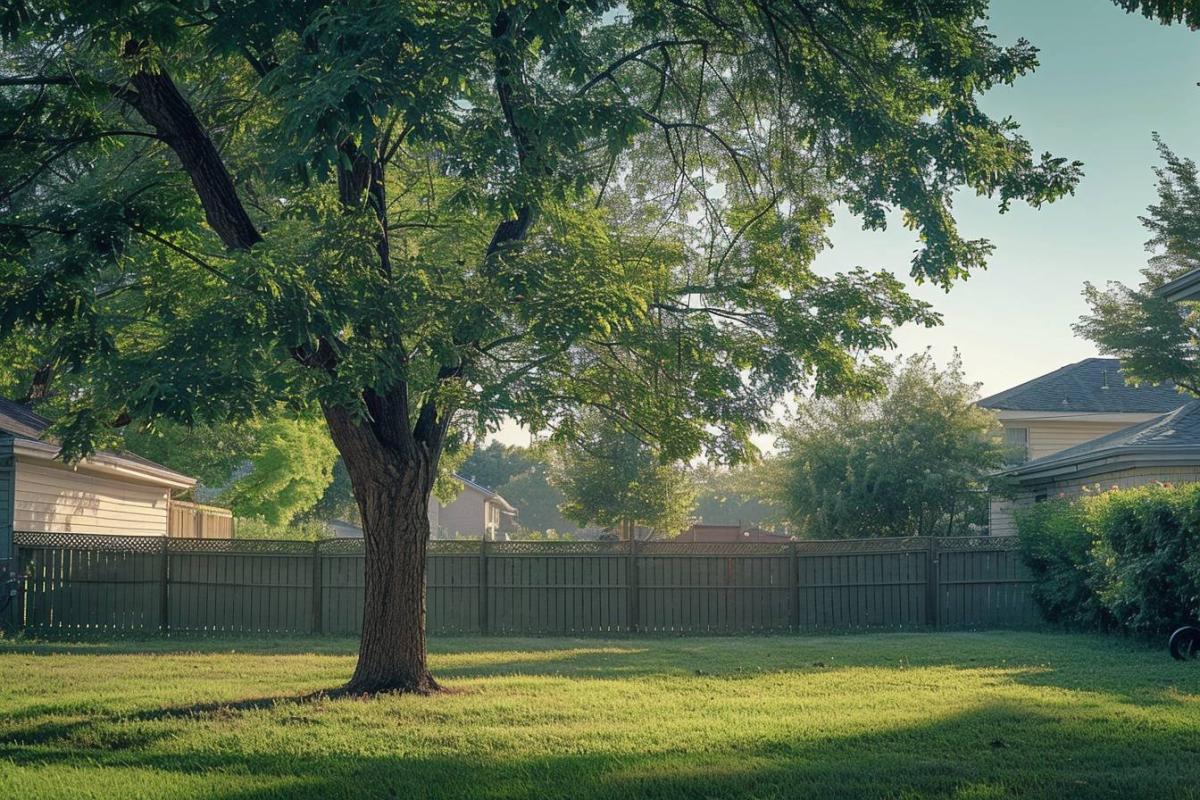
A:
(611, 478)
(496, 464)
(276, 468)
(746, 494)
(1156, 339)
(911, 461)
(539, 501)
(419, 218)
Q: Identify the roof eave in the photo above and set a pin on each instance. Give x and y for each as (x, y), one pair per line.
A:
(105, 462)
(1185, 287)
(1106, 460)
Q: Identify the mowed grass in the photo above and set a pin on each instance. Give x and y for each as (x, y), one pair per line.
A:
(899, 715)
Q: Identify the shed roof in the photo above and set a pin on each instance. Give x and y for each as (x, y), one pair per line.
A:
(1172, 437)
(1092, 385)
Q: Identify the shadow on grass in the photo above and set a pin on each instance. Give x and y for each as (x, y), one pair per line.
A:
(998, 749)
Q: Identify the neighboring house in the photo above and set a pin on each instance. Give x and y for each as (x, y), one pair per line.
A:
(1164, 449)
(476, 513)
(106, 493)
(1068, 407)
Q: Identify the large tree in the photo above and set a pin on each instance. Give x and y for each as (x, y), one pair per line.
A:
(911, 461)
(421, 217)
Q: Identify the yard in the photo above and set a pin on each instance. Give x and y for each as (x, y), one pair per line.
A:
(898, 715)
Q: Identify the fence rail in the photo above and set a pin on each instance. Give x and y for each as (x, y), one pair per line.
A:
(146, 584)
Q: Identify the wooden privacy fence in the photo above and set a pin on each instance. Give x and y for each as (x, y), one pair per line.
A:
(144, 584)
(196, 521)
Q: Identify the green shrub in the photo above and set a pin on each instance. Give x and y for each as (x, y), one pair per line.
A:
(1056, 545)
(1129, 558)
(1144, 555)
(309, 530)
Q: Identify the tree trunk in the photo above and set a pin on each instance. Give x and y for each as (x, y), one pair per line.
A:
(392, 493)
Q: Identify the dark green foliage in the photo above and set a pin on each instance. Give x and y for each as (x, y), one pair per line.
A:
(1165, 11)
(539, 501)
(610, 477)
(479, 211)
(495, 465)
(1057, 547)
(1130, 557)
(747, 494)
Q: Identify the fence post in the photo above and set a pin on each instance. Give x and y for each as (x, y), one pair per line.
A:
(794, 578)
(483, 587)
(13, 591)
(932, 611)
(318, 578)
(632, 608)
(164, 618)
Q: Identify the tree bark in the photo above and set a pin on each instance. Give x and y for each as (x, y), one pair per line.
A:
(392, 490)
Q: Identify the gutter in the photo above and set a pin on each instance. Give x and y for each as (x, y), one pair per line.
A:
(1185, 287)
(106, 463)
(1104, 460)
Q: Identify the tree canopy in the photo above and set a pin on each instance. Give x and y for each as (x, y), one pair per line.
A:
(423, 217)
(611, 478)
(213, 208)
(911, 461)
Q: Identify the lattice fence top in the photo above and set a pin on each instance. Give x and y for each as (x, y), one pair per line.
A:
(156, 544)
(247, 546)
(978, 543)
(89, 541)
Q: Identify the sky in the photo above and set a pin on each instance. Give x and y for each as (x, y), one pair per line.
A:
(1106, 82)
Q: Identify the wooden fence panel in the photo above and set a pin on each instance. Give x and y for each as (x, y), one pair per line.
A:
(713, 588)
(223, 586)
(983, 583)
(146, 584)
(862, 584)
(564, 588)
(90, 583)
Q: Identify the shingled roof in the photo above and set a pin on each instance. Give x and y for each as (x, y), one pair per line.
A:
(1091, 385)
(1174, 436)
(20, 421)
(24, 424)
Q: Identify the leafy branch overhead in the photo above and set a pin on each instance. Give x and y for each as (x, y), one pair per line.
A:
(423, 217)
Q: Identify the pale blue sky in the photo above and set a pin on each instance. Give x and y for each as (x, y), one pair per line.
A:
(1107, 80)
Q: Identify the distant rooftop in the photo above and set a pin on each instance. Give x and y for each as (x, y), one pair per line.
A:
(1091, 385)
(1174, 434)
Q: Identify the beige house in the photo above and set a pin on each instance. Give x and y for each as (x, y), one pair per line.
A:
(476, 513)
(1059, 412)
(105, 493)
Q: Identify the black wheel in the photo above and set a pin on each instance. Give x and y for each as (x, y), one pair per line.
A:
(1185, 643)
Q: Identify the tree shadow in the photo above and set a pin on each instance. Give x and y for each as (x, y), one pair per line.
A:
(997, 749)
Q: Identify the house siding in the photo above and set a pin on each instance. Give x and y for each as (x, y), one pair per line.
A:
(466, 516)
(1047, 437)
(50, 498)
(7, 491)
(1002, 512)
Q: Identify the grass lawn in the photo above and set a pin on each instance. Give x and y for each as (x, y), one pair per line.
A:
(898, 715)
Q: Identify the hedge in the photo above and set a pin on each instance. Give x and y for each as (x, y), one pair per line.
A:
(1124, 559)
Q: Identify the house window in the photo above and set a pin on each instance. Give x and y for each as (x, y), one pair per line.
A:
(1016, 445)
